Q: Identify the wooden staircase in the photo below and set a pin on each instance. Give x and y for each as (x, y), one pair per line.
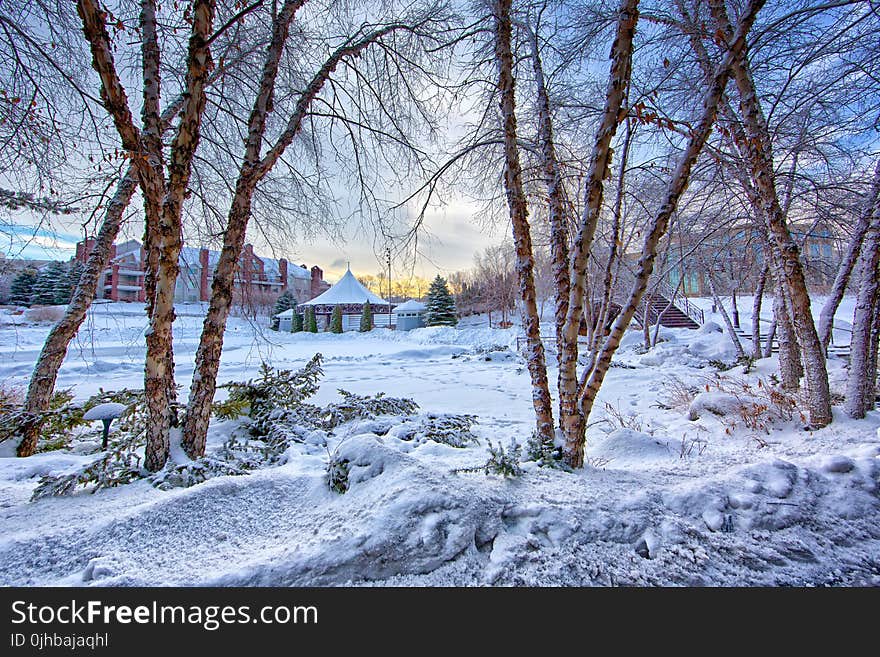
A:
(680, 314)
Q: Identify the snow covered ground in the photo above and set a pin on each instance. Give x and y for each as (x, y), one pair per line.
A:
(718, 500)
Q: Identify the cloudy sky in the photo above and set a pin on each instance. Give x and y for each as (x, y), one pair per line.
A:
(452, 235)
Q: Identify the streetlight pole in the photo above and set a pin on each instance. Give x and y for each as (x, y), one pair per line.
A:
(388, 256)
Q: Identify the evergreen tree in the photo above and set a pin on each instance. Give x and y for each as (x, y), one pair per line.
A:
(285, 301)
(440, 304)
(336, 320)
(74, 271)
(311, 320)
(22, 288)
(49, 279)
(367, 318)
(64, 286)
(296, 324)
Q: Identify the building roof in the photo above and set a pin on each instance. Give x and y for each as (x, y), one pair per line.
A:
(189, 255)
(347, 290)
(411, 306)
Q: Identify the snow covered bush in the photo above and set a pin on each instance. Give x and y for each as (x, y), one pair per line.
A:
(504, 462)
(57, 423)
(738, 402)
(259, 397)
(353, 407)
(338, 470)
(544, 454)
(120, 463)
(446, 428)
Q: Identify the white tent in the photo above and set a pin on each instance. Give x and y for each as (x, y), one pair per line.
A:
(350, 296)
(347, 291)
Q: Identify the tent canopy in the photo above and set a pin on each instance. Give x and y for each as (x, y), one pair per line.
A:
(347, 291)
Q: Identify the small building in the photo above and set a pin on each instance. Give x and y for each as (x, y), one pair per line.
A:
(409, 315)
(285, 320)
(351, 296)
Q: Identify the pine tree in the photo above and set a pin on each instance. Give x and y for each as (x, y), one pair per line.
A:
(311, 320)
(367, 318)
(440, 305)
(336, 320)
(285, 301)
(22, 288)
(296, 324)
(64, 286)
(74, 271)
(48, 279)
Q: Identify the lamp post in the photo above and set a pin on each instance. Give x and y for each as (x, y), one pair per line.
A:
(388, 257)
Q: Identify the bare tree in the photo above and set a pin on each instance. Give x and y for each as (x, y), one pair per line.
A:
(788, 264)
(163, 196)
(518, 206)
(254, 169)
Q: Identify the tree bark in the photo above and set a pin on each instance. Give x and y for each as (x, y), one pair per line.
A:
(860, 383)
(844, 270)
(614, 243)
(797, 298)
(572, 422)
(518, 208)
(45, 374)
(555, 200)
(253, 169)
(740, 353)
(676, 188)
(757, 302)
(158, 368)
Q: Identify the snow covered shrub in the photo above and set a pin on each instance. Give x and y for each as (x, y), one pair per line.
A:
(234, 458)
(57, 423)
(45, 314)
(676, 393)
(354, 407)
(620, 420)
(447, 428)
(504, 462)
(121, 462)
(338, 470)
(544, 454)
(738, 402)
(272, 389)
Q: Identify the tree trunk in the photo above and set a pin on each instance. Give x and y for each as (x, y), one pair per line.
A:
(572, 421)
(556, 201)
(676, 188)
(614, 245)
(252, 170)
(844, 270)
(734, 309)
(740, 353)
(797, 298)
(860, 384)
(873, 356)
(757, 302)
(45, 374)
(159, 387)
(518, 208)
(768, 343)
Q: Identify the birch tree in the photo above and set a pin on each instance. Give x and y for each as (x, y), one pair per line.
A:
(163, 193)
(256, 165)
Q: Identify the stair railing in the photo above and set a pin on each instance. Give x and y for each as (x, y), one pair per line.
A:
(682, 302)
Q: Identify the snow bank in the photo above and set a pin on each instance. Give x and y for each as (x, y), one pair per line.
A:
(628, 448)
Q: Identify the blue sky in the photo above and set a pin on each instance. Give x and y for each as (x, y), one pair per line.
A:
(24, 241)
